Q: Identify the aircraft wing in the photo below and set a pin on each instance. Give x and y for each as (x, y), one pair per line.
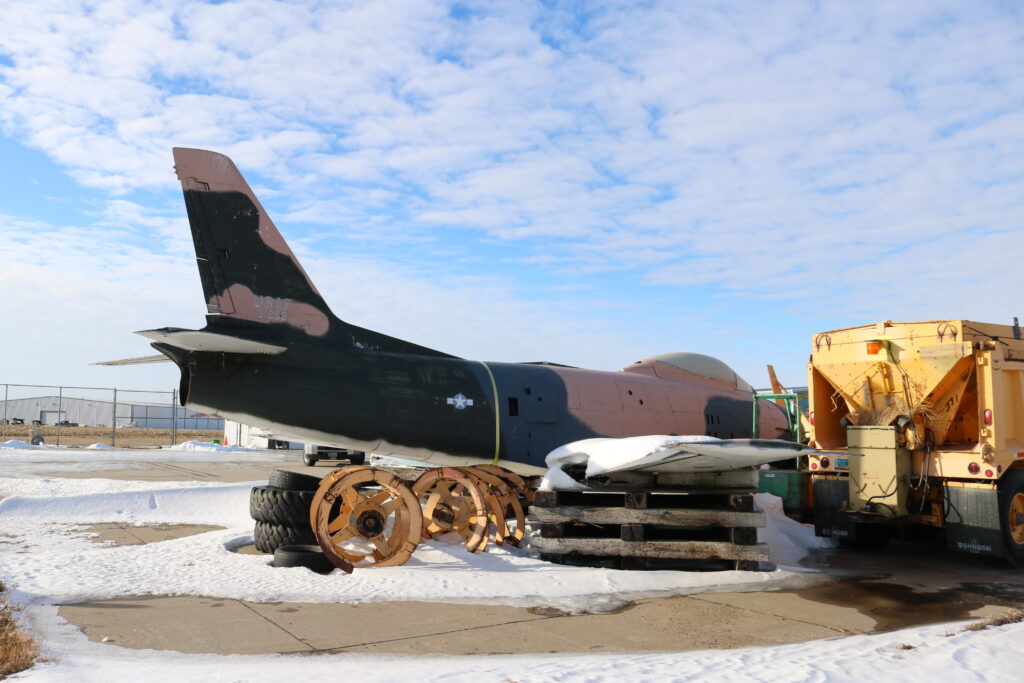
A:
(672, 454)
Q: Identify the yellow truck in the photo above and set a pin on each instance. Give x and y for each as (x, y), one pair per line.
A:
(919, 424)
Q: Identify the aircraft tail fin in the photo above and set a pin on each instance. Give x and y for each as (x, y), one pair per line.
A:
(252, 281)
(247, 270)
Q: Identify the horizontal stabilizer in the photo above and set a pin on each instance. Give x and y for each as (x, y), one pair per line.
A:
(139, 360)
(197, 340)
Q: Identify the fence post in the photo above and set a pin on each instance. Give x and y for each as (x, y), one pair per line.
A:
(174, 416)
(6, 387)
(60, 404)
(113, 421)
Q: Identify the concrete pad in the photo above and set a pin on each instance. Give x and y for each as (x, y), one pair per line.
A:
(249, 549)
(190, 624)
(127, 534)
(186, 624)
(669, 624)
(394, 626)
(795, 607)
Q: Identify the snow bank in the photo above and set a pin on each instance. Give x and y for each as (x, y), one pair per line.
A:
(228, 504)
(99, 447)
(208, 446)
(32, 461)
(15, 443)
(788, 540)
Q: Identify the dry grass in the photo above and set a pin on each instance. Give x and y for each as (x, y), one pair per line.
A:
(897, 407)
(18, 650)
(83, 436)
(1011, 617)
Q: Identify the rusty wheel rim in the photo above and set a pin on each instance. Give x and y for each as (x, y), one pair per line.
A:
(513, 501)
(500, 498)
(365, 517)
(452, 501)
(1016, 519)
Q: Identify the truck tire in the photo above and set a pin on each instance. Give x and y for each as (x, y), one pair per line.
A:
(279, 506)
(357, 458)
(269, 537)
(308, 556)
(293, 481)
(1011, 514)
(309, 459)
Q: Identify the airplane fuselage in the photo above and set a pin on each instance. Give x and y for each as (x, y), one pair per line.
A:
(273, 355)
(454, 411)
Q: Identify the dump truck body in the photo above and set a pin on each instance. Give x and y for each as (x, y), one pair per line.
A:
(920, 423)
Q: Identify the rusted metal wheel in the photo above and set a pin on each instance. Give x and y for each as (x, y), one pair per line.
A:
(518, 484)
(365, 517)
(452, 501)
(502, 504)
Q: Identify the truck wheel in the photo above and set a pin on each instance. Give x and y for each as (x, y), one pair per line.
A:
(309, 459)
(1011, 513)
(357, 458)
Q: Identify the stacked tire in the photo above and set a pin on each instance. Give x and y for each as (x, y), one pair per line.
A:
(281, 511)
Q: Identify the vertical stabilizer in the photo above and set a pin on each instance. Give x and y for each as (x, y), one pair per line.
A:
(251, 279)
(247, 269)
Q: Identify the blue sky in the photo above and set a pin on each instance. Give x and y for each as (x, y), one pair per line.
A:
(586, 183)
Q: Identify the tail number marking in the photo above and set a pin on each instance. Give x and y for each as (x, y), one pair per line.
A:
(271, 309)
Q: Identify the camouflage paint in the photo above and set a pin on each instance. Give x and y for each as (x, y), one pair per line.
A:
(341, 385)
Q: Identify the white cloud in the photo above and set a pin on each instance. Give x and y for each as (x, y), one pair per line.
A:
(792, 150)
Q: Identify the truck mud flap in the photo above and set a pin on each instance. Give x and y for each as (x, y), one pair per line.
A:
(972, 521)
(830, 495)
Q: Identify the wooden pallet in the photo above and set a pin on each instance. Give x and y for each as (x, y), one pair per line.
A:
(664, 529)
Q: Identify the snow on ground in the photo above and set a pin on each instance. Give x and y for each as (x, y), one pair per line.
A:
(59, 563)
(208, 446)
(18, 458)
(47, 559)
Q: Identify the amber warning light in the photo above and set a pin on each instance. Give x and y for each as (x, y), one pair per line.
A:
(874, 346)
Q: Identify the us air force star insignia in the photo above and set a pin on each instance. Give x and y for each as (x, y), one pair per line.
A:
(460, 402)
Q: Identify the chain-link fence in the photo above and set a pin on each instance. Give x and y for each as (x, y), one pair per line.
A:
(56, 410)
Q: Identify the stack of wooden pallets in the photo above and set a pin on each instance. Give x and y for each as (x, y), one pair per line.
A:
(692, 522)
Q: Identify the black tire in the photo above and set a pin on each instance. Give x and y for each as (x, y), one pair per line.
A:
(269, 537)
(37, 441)
(308, 556)
(310, 460)
(278, 506)
(293, 481)
(357, 458)
(1011, 487)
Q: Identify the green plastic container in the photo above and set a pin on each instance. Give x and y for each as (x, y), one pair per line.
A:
(790, 486)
